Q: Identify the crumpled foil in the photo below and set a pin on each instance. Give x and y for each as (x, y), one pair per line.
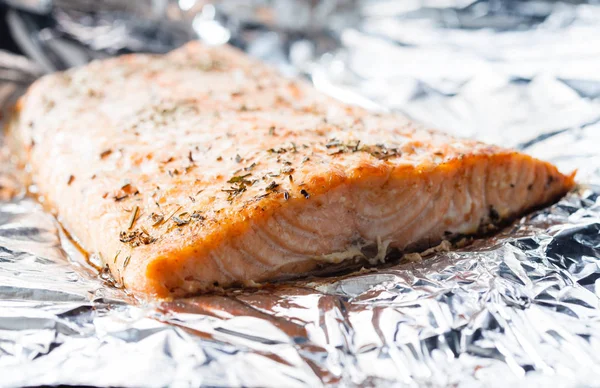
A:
(520, 308)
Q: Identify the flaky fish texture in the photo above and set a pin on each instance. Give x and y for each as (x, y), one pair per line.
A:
(204, 168)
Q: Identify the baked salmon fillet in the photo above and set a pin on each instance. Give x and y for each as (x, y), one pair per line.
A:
(204, 168)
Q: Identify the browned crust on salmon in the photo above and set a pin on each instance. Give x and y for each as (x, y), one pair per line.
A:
(205, 168)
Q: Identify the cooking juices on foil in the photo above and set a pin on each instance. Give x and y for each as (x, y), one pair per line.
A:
(519, 308)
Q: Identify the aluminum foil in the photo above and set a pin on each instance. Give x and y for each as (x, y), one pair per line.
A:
(521, 308)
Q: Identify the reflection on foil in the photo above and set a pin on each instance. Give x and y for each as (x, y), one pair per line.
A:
(519, 308)
(497, 84)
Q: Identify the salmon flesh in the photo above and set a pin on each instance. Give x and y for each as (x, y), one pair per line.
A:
(204, 168)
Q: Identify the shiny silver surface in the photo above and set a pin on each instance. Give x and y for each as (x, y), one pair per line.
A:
(520, 308)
